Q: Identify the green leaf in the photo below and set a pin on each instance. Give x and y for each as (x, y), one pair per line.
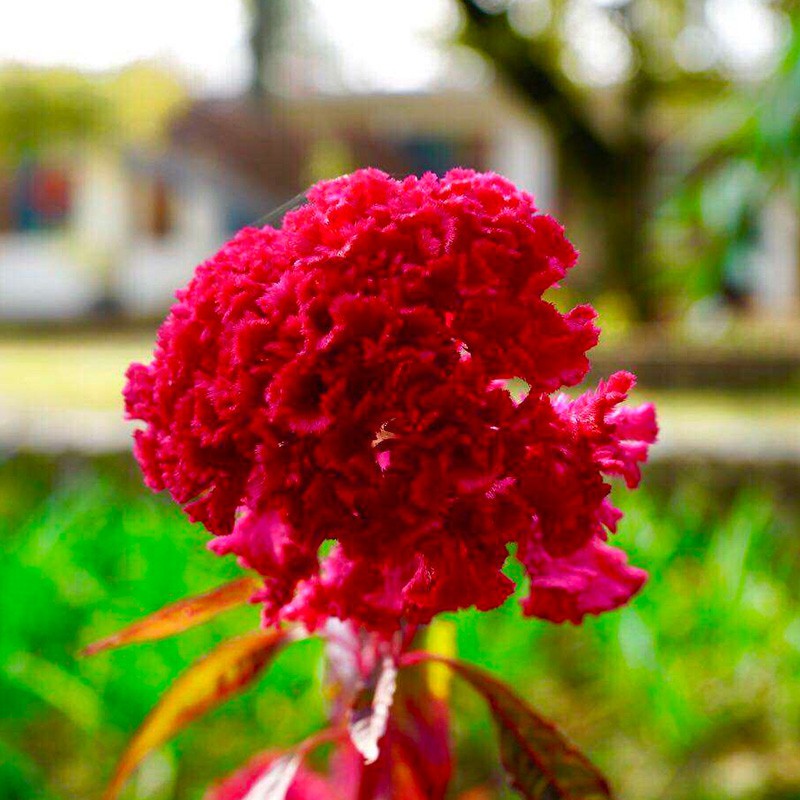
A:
(56, 686)
(540, 762)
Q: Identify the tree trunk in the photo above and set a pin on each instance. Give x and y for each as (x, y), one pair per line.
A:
(626, 204)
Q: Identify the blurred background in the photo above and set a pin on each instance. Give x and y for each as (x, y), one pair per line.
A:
(136, 138)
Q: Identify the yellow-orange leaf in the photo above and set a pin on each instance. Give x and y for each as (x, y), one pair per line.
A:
(207, 683)
(180, 616)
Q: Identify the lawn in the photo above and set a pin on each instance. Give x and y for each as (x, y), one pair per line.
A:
(688, 693)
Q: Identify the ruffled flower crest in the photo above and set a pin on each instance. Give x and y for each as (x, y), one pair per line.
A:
(344, 378)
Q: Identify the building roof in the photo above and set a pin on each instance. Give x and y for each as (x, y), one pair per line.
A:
(247, 139)
(270, 145)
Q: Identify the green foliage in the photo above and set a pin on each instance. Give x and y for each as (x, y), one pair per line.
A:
(687, 693)
(664, 169)
(87, 552)
(698, 670)
(37, 113)
(49, 111)
(712, 221)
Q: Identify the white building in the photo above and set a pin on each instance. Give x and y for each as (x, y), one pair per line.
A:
(103, 231)
(100, 230)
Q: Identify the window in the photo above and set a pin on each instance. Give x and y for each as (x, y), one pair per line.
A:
(34, 197)
(154, 206)
(440, 153)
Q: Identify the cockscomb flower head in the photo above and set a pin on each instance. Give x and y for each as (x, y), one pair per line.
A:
(332, 400)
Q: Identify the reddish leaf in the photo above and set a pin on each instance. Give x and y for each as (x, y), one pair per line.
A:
(367, 727)
(274, 783)
(276, 780)
(414, 762)
(541, 764)
(180, 616)
(207, 683)
(420, 739)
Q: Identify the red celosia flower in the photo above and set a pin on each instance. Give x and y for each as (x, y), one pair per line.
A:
(345, 377)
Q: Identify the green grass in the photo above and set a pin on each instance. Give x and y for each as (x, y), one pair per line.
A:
(690, 692)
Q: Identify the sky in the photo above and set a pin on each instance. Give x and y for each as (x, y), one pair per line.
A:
(374, 44)
(206, 39)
